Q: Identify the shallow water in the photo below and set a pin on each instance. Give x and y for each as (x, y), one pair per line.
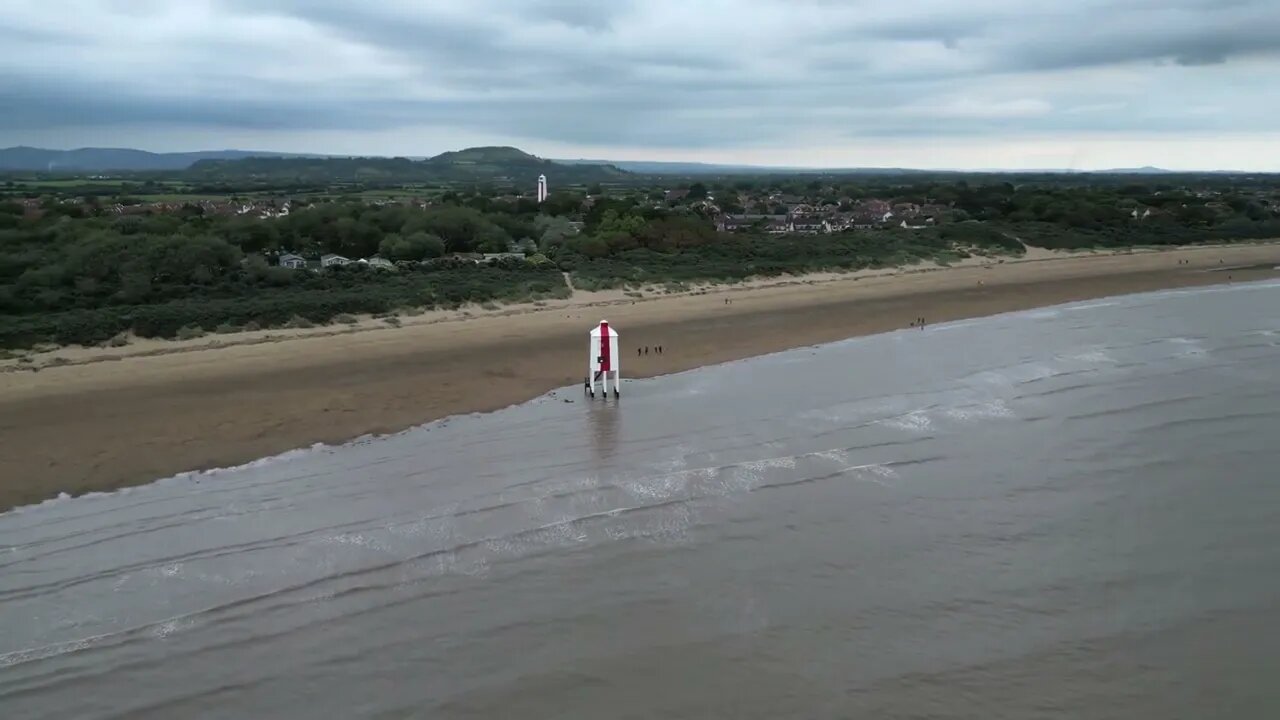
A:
(1068, 512)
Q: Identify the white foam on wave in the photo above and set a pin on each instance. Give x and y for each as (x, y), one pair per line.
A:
(17, 657)
(875, 473)
(163, 630)
(354, 539)
(721, 480)
(1089, 305)
(990, 410)
(835, 456)
(786, 462)
(159, 629)
(957, 325)
(665, 486)
(181, 477)
(1190, 346)
(1093, 356)
(914, 421)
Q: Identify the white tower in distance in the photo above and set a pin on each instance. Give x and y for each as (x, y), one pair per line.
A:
(542, 188)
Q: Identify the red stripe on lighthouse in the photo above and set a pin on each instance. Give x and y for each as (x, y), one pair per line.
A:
(605, 363)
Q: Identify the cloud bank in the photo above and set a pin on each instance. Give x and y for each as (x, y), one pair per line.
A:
(724, 79)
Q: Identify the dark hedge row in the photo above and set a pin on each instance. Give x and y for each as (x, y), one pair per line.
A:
(331, 294)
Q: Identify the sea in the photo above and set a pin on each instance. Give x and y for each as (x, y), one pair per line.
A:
(1071, 512)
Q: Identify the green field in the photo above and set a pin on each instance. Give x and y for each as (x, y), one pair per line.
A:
(177, 197)
(68, 183)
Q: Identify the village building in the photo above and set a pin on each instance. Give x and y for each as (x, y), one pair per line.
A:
(292, 261)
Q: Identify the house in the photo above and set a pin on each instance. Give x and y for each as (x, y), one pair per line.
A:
(333, 259)
(777, 225)
(807, 224)
(499, 256)
(377, 261)
(739, 223)
(31, 209)
(732, 223)
(672, 195)
(836, 224)
(873, 206)
(292, 261)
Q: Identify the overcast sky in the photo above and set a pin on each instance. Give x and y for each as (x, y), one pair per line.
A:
(923, 83)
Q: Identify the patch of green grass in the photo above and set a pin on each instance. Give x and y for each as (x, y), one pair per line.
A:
(180, 198)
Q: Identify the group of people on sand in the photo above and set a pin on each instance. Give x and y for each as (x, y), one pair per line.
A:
(918, 322)
(657, 350)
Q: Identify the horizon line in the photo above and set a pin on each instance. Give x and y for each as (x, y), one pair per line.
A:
(728, 166)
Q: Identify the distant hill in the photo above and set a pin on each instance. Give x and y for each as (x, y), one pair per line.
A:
(1144, 170)
(114, 159)
(482, 164)
(653, 167)
(647, 167)
(510, 163)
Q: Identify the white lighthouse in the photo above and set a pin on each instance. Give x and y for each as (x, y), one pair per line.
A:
(542, 188)
(603, 359)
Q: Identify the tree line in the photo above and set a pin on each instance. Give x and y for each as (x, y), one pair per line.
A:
(80, 274)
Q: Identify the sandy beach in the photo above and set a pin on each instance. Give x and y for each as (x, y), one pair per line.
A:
(99, 419)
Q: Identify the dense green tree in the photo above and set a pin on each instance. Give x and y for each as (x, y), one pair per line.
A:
(490, 238)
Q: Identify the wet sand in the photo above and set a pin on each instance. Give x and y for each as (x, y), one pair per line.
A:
(105, 424)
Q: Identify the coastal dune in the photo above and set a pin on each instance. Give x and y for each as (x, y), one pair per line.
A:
(108, 422)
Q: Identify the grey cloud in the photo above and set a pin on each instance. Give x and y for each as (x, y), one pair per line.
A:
(581, 72)
(1187, 33)
(1187, 47)
(587, 14)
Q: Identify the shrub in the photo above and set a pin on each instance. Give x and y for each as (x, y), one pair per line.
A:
(119, 340)
(190, 332)
(298, 322)
(226, 328)
(345, 318)
(393, 321)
